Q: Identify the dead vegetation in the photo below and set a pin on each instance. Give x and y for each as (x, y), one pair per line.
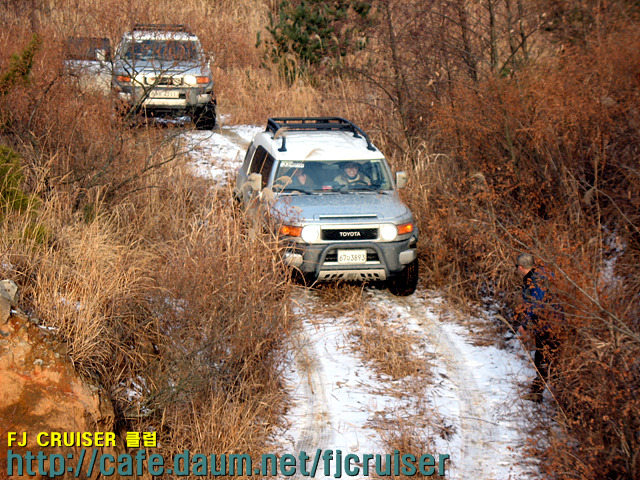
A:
(517, 120)
(146, 274)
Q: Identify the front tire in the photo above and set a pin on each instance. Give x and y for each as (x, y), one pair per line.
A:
(205, 118)
(404, 283)
(304, 279)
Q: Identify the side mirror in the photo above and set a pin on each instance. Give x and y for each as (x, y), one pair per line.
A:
(101, 55)
(255, 182)
(401, 179)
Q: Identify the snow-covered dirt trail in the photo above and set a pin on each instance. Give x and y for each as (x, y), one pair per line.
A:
(475, 392)
(339, 399)
(476, 423)
(481, 445)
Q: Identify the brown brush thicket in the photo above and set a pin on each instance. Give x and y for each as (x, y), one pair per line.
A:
(540, 155)
(518, 120)
(547, 161)
(147, 275)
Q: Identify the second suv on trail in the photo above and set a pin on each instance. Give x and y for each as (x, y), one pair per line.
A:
(333, 199)
(162, 70)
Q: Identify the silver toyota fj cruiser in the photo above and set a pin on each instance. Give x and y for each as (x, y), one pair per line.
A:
(88, 61)
(331, 194)
(161, 69)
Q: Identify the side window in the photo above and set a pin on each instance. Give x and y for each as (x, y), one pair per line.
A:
(258, 160)
(266, 169)
(262, 163)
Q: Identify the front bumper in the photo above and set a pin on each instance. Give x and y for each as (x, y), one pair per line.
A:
(384, 259)
(178, 99)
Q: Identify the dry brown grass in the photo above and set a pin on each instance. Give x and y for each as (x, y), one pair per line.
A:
(253, 94)
(390, 351)
(148, 276)
(404, 435)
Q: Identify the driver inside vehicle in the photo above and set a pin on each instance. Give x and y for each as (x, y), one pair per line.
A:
(351, 175)
(302, 180)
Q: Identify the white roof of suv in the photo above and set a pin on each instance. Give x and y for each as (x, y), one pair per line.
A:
(316, 138)
(160, 32)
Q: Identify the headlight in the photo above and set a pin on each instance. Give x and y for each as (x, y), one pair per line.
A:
(139, 79)
(311, 233)
(388, 233)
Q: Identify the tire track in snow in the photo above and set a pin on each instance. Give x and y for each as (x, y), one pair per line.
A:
(317, 431)
(476, 423)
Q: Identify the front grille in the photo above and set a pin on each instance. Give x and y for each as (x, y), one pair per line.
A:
(350, 234)
(169, 81)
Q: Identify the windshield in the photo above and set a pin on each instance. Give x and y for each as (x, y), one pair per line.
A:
(162, 50)
(332, 176)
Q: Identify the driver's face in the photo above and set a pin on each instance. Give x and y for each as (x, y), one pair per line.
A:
(351, 171)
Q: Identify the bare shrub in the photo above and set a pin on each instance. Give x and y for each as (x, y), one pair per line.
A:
(543, 163)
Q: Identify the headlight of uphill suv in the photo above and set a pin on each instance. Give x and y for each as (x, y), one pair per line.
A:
(388, 233)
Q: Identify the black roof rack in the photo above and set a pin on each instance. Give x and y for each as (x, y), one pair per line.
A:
(156, 27)
(314, 123)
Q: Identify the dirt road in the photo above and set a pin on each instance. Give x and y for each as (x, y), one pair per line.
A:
(339, 400)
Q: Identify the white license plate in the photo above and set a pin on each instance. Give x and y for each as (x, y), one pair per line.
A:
(155, 93)
(352, 256)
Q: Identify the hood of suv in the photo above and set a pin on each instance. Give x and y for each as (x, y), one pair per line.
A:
(340, 207)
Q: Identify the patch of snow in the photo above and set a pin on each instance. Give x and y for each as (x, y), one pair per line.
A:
(475, 397)
(217, 154)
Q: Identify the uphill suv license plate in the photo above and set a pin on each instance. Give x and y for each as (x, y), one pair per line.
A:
(157, 93)
(352, 256)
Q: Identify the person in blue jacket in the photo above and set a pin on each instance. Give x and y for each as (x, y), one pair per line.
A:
(539, 312)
